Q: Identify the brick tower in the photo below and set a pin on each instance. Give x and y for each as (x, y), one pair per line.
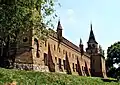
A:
(97, 59)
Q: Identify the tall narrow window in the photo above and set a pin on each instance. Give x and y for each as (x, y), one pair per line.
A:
(59, 63)
(45, 43)
(56, 59)
(73, 67)
(72, 55)
(59, 49)
(69, 54)
(45, 59)
(89, 70)
(76, 67)
(54, 48)
(64, 64)
(82, 68)
(63, 51)
(37, 51)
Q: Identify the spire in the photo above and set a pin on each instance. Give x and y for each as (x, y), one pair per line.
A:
(81, 47)
(92, 37)
(59, 31)
(81, 41)
(91, 26)
(59, 27)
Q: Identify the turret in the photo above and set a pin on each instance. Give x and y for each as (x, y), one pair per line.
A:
(81, 46)
(59, 31)
(92, 44)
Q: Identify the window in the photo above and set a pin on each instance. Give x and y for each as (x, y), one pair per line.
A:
(82, 68)
(89, 70)
(76, 67)
(55, 59)
(85, 69)
(45, 43)
(25, 39)
(54, 47)
(59, 63)
(69, 54)
(73, 67)
(37, 51)
(35, 41)
(63, 51)
(73, 55)
(59, 49)
(45, 59)
(64, 64)
(93, 45)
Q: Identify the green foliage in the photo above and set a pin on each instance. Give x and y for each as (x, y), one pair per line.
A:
(101, 50)
(113, 54)
(113, 57)
(18, 16)
(44, 78)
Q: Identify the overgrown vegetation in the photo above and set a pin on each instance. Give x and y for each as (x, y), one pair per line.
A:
(18, 17)
(44, 78)
(113, 57)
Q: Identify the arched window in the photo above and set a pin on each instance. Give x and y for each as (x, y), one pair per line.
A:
(37, 53)
(25, 39)
(93, 45)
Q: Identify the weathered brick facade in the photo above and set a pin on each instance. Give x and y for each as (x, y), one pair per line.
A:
(58, 54)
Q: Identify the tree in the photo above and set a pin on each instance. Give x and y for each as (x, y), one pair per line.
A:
(101, 51)
(19, 16)
(113, 57)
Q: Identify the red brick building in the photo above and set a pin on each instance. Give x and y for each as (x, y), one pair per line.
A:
(58, 54)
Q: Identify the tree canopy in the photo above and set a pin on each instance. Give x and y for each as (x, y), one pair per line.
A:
(101, 51)
(23, 15)
(113, 57)
(19, 16)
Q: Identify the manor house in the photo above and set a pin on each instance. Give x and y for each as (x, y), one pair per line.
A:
(58, 54)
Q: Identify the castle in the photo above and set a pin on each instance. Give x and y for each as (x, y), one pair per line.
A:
(58, 54)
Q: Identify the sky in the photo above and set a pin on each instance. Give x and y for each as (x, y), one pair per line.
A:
(77, 15)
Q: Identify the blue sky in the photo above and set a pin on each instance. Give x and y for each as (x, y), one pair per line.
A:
(76, 16)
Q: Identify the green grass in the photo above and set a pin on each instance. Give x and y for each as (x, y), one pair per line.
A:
(43, 78)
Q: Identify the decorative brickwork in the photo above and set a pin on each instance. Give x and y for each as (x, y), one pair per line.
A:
(60, 56)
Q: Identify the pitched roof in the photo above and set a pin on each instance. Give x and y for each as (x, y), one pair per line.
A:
(70, 44)
(91, 36)
(59, 25)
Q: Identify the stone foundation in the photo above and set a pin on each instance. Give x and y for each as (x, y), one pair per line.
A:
(40, 68)
(34, 67)
(22, 66)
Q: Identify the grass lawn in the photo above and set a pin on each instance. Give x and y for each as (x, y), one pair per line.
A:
(43, 78)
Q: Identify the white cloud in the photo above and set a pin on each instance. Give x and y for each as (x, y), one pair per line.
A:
(70, 16)
(70, 12)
